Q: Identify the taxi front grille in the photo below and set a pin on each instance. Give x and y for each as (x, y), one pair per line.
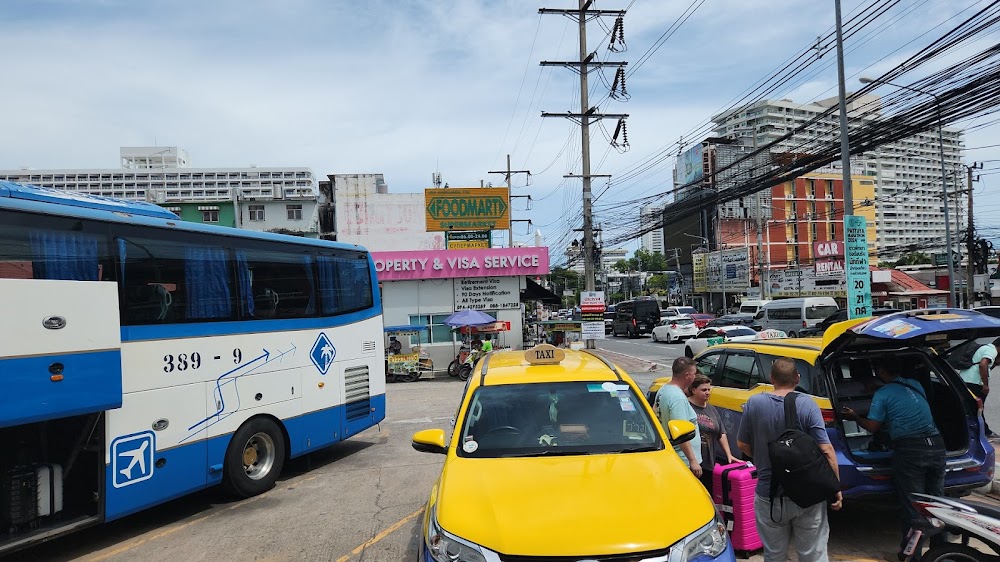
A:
(651, 556)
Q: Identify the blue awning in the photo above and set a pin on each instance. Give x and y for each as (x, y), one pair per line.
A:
(406, 328)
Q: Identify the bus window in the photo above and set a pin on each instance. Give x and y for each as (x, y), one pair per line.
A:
(168, 282)
(276, 284)
(52, 248)
(344, 283)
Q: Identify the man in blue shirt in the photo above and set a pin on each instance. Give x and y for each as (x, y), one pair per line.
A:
(671, 403)
(918, 458)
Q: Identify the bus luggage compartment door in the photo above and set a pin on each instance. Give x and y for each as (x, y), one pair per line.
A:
(60, 349)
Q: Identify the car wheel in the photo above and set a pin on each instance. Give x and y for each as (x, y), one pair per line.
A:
(254, 458)
(687, 352)
(655, 338)
(792, 335)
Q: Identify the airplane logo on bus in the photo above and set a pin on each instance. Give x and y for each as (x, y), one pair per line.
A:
(132, 458)
(323, 353)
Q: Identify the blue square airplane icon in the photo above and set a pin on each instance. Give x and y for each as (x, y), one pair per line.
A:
(132, 458)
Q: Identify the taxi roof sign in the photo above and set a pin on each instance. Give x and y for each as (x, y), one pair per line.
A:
(544, 354)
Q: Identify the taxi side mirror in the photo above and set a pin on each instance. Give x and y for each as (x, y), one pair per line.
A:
(432, 441)
(681, 431)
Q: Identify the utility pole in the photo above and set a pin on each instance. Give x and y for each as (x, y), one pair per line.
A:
(507, 175)
(583, 66)
(970, 241)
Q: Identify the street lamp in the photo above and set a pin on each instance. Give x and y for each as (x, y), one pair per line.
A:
(944, 178)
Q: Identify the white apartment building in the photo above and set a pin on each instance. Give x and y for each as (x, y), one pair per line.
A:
(651, 241)
(907, 172)
(262, 199)
(161, 175)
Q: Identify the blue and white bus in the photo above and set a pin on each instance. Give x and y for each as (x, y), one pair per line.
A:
(143, 358)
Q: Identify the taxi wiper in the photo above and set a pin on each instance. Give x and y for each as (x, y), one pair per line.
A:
(547, 453)
(639, 449)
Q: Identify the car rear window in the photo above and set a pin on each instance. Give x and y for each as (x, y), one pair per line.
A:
(682, 321)
(741, 332)
(646, 308)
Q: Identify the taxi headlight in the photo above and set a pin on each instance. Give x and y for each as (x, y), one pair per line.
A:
(711, 540)
(445, 547)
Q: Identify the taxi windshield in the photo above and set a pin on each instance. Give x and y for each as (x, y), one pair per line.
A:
(572, 418)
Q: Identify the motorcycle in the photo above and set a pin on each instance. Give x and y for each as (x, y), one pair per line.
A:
(463, 354)
(951, 517)
(465, 369)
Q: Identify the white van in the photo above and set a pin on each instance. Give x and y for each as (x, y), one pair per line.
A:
(791, 315)
(752, 306)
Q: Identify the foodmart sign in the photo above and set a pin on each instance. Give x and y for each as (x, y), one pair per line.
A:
(462, 208)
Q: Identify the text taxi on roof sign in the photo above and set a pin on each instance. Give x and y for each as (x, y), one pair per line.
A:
(837, 370)
(552, 429)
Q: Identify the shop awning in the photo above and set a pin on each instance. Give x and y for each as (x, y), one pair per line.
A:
(535, 292)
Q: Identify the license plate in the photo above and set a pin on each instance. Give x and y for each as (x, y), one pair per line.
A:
(911, 545)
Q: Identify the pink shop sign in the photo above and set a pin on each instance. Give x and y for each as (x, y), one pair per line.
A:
(447, 264)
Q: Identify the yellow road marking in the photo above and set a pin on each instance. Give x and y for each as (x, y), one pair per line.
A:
(127, 547)
(394, 527)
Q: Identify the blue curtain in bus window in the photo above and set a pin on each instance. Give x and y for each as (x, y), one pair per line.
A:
(207, 282)
(354, 277)
(328, 284)
(64, 255)
(246, 285)
(121, 260)
(307, 265)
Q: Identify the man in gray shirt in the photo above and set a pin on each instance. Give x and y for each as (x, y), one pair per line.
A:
(763, 421)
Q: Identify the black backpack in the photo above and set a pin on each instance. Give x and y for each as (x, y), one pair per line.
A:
(799, 469)
(960, 357)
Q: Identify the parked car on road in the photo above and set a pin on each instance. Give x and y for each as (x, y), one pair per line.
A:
(715, 336)
(674, 329)
(752, 306)
(731, 320)
(793, 315)
(839, 316)
(550, 427)
(678, 311)
(835, 372)
(636, 317)
(701, 319)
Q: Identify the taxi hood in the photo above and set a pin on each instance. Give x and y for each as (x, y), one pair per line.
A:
(585, 506)
(912, 328)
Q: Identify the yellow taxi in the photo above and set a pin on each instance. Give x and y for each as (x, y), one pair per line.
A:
(833, 371)
(556, 455)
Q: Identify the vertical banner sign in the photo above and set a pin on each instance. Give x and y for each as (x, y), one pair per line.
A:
(592, 314)
(859, 290)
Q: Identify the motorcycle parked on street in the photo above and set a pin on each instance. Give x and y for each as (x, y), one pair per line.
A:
(950, 517)
(463, 354)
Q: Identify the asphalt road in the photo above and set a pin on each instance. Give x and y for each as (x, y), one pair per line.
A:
(362, 500)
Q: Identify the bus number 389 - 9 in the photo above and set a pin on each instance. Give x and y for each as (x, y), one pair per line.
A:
(181, 362)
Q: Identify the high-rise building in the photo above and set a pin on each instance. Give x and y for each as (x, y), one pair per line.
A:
(281, 199)
(651, 241)
(907, 173)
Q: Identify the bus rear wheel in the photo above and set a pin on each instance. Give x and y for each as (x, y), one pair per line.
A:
(254, 458)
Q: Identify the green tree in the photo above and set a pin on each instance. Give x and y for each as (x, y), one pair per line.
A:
(563, 279)
(659, 282)
(913, 258)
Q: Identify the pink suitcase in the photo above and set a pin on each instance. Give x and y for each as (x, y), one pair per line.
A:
(733, 491)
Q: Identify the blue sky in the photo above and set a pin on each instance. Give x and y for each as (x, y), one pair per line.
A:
(407, 88)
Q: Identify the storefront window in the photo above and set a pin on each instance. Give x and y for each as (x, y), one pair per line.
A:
(438, 333)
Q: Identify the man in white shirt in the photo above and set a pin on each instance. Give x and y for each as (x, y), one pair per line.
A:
(977, 377)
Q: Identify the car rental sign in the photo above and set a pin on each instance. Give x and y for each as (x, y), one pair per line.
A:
(467, 208)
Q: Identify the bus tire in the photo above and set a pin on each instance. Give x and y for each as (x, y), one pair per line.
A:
(254, 458)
